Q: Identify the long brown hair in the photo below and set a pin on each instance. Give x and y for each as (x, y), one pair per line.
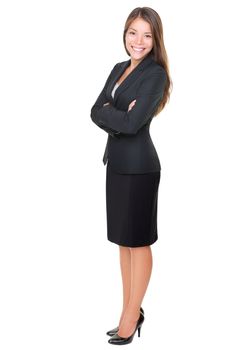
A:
(158, 51)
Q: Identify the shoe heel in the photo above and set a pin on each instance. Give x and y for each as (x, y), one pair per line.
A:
(139, 331)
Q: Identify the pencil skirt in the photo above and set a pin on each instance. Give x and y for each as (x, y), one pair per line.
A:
(131, 207)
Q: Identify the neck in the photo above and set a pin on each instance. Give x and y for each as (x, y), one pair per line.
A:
(134, 63)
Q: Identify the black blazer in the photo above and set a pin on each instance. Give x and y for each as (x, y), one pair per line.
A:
(129, 147)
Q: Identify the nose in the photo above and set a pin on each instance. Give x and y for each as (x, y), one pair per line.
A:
(139, 40)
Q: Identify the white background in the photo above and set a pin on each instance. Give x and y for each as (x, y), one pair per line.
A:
(60, 277)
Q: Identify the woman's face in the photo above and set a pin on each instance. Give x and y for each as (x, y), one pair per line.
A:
(138, 39)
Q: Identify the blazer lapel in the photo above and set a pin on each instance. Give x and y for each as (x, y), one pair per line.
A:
(131, 77)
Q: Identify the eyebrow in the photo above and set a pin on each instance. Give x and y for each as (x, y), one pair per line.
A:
(144, 33)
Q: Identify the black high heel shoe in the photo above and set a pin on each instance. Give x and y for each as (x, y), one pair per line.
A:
(117, 340)
(115, 330)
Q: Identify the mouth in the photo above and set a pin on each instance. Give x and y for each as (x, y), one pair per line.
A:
(136, 49)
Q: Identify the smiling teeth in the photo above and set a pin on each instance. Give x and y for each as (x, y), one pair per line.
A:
(137, 49)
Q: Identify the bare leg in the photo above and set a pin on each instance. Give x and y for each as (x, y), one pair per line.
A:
(141, 268)
(125, 264)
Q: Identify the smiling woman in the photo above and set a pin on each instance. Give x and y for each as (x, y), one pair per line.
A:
(135, 91)
(138, 41)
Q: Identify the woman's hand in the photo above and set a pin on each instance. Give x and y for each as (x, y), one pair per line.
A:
(131, 105)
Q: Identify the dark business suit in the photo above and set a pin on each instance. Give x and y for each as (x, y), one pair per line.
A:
(129, 148)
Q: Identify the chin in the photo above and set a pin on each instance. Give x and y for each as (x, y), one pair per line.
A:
(139, 56)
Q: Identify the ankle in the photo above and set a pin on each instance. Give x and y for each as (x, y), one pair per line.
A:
(132, 314)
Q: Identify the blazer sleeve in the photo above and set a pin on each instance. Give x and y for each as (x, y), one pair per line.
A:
(148, 96)
(99, 104)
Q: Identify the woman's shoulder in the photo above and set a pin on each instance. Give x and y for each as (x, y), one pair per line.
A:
(121, 63)
(156, 70)
(155, 67)
(117, 65)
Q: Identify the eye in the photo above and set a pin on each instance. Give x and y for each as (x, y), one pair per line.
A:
(148, 36)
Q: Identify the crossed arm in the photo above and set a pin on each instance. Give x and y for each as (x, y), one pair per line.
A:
(116, 121)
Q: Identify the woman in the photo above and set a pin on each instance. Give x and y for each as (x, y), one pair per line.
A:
(135, 91)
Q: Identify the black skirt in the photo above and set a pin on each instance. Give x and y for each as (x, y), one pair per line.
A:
(131, 204)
